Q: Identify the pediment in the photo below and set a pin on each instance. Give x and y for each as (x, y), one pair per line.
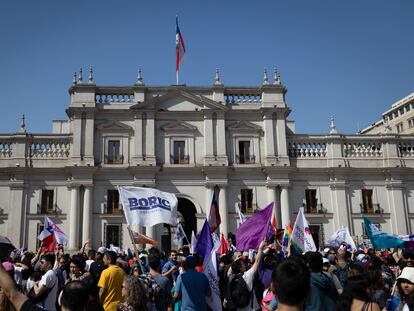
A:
(179, 126)
(244, 126)
(179, 100)
(114, 126)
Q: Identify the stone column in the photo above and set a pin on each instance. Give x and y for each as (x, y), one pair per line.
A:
(208, 135)
(224, 226)
(221, 136)
(269, 137)
(209, 197)
(17, 213)
(284, 209)
(87, 224)
(138, 137)
(272, 197)
(150, 232)
(398, 208)
(150, 138)
(74, 219)
(340, 204)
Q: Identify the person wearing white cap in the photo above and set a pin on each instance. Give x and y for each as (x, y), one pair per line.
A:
(405, 285)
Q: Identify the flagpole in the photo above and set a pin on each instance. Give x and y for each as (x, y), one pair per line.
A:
(176, 76)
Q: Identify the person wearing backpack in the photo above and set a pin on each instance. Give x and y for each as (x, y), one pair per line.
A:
(240, 292)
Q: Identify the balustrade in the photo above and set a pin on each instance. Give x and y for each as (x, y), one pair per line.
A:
(307, 149)
(53, 148)
(6, 149)
(113, 97)
(362, 149)
(231, 98)
(406, 149)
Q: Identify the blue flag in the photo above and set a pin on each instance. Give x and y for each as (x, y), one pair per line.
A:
(205, 242)
(379, 238)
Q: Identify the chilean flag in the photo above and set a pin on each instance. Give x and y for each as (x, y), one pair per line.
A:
(51, 235)
(179, 47)
(214, 219)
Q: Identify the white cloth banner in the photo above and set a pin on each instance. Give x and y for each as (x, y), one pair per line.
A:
(179, 235)
(193, 242)
(148, 206)
(301, 235)
(242, 217)
(210, 271)
(342, 235)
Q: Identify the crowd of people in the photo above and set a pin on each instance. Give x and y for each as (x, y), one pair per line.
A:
(265, 279)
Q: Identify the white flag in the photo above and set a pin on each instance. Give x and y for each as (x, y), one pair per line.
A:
(193, 242)
(210, 271)
(241, 215)
(148, 206)
(301, 241)
(179, 235)
(342, 235)
(50, 228)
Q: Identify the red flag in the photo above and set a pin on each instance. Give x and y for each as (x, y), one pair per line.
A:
(48, 244)
(140, 238)
(224, 246)
(274, 223)
(214, 219)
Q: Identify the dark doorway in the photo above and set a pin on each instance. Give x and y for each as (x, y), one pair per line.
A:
(187, 209)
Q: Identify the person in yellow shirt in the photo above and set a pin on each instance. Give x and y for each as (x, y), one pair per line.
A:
(110, 283)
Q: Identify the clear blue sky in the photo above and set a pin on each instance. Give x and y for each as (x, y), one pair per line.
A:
(351, 59)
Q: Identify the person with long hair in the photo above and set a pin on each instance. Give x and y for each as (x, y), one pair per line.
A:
(133, 294)
(356, 296)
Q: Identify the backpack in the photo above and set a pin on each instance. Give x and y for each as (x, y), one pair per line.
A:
(239, 292)
(152, 288)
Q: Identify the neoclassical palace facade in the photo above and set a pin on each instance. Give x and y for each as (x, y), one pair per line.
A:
(192, 141)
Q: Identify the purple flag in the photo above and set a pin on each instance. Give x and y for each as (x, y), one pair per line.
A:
(254, 230)
(204, 242)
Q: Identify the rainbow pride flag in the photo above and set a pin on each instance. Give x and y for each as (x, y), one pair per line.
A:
(286, 239)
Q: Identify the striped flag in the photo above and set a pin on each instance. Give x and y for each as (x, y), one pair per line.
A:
(286, 239)
(139, 238)
(179, 48)
(214, 219)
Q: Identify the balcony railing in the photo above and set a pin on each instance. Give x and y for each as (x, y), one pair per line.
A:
(373, 209)
(110, 209)
(177, 160)
(245, 160)
(111, 160)
(114, 95)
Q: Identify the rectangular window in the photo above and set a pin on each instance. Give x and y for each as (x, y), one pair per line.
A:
(407, 108)
(401, 111)
(112, 204)
(367, 206)
(410, 123)
(113, 235)
(39, 229)
(246, 200)
(46, 205)
(244, 152)
(399, 127)
(114, 152)
(179, 156)
(311, 200)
